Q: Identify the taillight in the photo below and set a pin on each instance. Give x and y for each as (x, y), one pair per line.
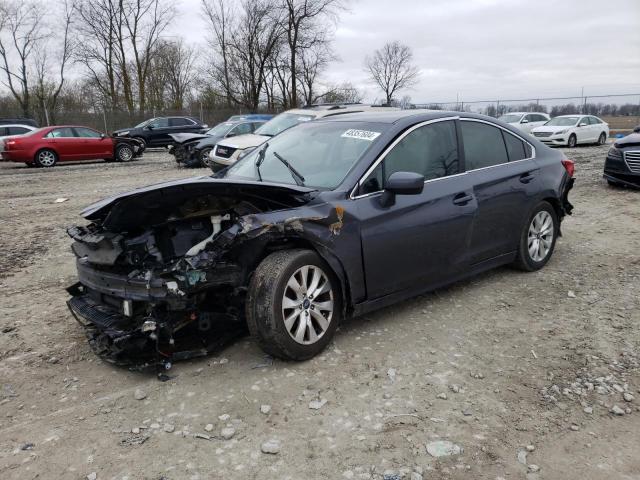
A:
(569, 166)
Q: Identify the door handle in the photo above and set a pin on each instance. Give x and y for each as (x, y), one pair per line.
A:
(526, 177)
(462, 199)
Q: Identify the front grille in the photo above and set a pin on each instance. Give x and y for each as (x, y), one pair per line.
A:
(541, 134)
(633, 160)
(224, 152)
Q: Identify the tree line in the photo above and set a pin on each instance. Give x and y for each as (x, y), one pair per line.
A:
(260, 54)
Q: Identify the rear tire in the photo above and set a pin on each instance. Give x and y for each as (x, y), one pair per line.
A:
(293, 304)
(538, 238)
(602, 138)
(573, 141)
(46, 158)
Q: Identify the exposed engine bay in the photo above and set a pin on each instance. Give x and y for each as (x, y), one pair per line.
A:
(162, 271)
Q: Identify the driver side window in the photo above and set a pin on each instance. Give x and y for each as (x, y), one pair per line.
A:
(430, 150)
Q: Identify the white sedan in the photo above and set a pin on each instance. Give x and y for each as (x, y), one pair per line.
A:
(12, 130)
(525, 121)
(571, 130)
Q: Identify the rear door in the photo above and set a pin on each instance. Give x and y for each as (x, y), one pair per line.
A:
(504, 177)
(65, 142)
(422, 239)
(583, 130)
(95, 146)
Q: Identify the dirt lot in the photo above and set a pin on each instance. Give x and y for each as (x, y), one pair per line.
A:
(521, 371)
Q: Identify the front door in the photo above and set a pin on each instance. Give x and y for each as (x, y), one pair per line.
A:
(94, 145)
(421, 240)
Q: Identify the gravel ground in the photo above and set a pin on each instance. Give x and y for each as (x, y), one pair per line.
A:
(508, 375)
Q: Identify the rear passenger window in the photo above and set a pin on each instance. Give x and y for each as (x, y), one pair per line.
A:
(515, 147)
(179, 122)
(431, 150)
(16, 130)
(483, 145)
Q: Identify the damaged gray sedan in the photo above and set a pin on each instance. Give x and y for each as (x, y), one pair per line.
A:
(332, 218)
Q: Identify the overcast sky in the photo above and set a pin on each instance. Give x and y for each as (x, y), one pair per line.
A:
(484, 49)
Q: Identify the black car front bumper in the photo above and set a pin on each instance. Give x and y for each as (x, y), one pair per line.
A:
(616, 170)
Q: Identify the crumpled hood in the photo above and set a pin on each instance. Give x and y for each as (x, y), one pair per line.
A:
(244, 141)
(185, 137)
(152, 204)
(630, 140)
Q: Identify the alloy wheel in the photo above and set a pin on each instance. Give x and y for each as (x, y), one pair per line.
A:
(540, 237)
(47, 158)
(307, 304)
(125, 154)
(204, 156)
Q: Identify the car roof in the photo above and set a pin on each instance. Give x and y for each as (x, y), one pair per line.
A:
(397, 115)
(524, 113)
(31, 127)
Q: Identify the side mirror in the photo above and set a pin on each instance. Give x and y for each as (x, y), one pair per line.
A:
(637, 129)
(524, 120)
(102, 136)
(230, 134)
(401, 183)
(149, 127)
(582, 124)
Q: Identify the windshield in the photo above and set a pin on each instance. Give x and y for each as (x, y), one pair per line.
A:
(281, 123)
(220, 129)
(319, 154)
(511, 117)
(140, 125)
(563, 121)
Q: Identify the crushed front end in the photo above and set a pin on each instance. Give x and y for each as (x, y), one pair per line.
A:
(162, 271)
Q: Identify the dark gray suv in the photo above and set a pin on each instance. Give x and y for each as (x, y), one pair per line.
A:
(332, 218)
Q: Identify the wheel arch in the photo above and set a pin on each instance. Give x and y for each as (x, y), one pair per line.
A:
(290, 242)
(41, 149)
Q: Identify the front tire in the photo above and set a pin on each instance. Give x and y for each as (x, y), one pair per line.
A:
(294, 304)
(124, 153)
(204, 157)
(46, 158)
(573, 141)
(538, 238)
(143, 147)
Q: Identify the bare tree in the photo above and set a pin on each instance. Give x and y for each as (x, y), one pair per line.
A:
(391, 69)
(343, 93)
(301, 18)
(48, 90)
(171, 75)
(144, 21)
(245, 41)
(313, 61)
(21, 30)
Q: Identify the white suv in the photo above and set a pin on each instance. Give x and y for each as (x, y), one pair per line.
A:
(227, 151)
(525, 121)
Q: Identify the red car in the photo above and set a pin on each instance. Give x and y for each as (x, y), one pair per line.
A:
(47, 146)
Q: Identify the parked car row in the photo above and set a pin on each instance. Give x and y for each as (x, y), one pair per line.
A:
(564, 130)
(335, 217)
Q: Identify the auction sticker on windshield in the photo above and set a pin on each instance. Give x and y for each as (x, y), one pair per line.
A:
(361, 134)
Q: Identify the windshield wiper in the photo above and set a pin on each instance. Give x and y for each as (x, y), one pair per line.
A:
(294, 173)
(260, 159)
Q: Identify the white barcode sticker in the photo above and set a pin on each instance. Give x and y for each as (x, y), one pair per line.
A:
(361, 134)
